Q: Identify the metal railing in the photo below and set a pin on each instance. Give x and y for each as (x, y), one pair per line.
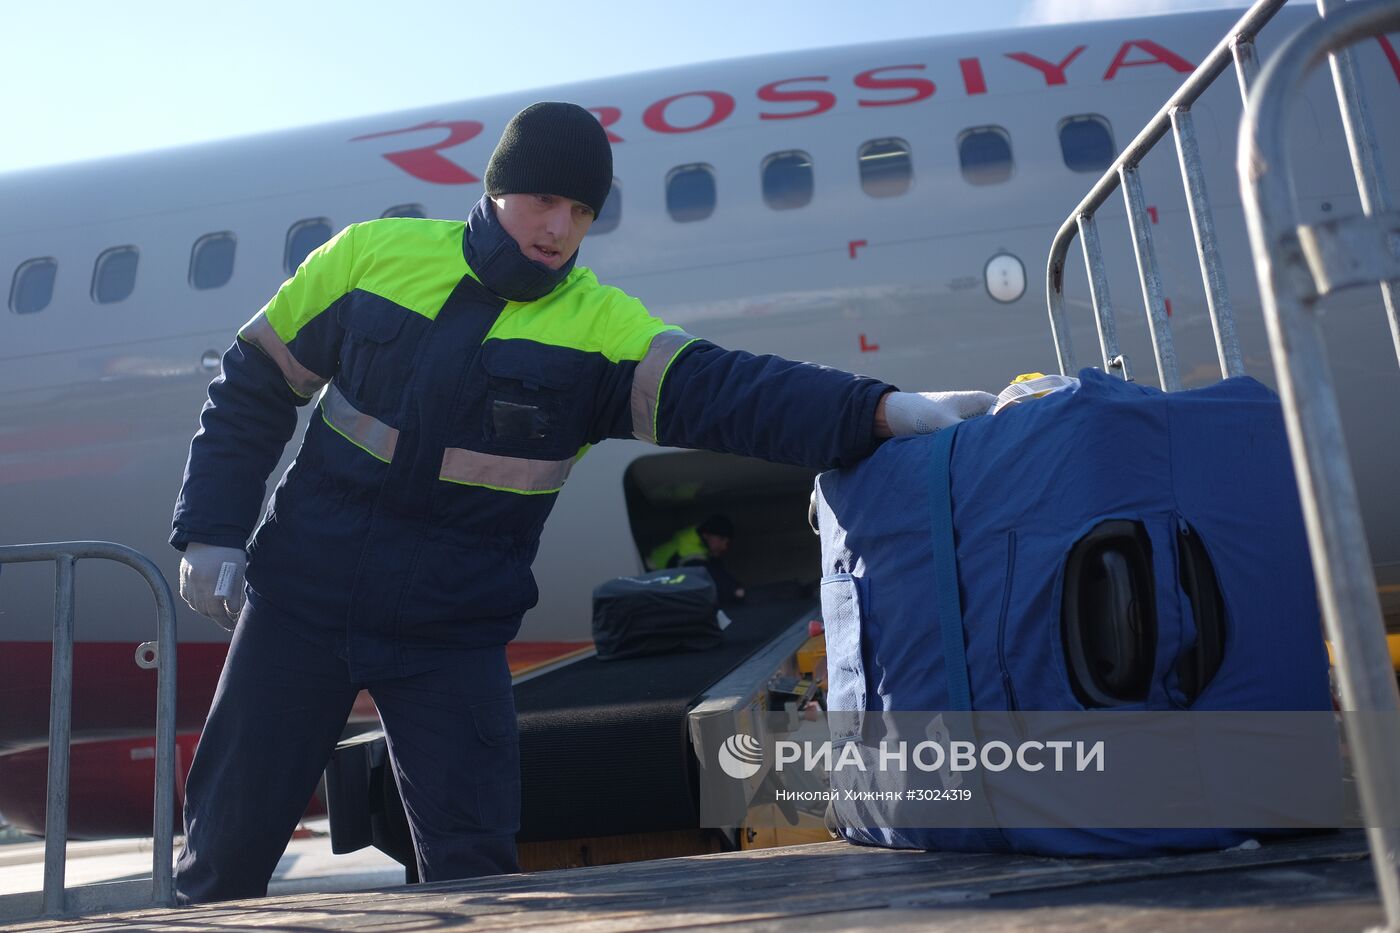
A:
(1238, 48)
(1298, 265)
(161, 655)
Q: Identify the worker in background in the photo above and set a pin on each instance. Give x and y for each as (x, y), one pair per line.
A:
(702, 545)
(459, 370)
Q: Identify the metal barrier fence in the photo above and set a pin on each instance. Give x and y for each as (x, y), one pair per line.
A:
(1236, 47)
(1297, 265)
(161, 655)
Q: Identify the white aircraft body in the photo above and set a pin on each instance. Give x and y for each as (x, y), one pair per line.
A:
(912, 190)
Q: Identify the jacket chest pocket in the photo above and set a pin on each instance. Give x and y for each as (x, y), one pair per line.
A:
(534, 398)
(374, 361)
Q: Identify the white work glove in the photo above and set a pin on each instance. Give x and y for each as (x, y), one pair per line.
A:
(925, 412)
(211, 582)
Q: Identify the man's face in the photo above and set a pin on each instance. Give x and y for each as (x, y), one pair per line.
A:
(547, 228)
(715, 544)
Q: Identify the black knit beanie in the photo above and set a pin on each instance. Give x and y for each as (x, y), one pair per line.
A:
(553, 148)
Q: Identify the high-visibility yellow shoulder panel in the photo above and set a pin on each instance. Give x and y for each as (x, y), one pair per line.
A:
(582, 315)
(322, 277)
(411, 262)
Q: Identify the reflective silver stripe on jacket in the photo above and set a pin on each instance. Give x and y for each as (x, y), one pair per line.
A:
(370, 434)
(646, 381)
(260, 333)
(512, 474)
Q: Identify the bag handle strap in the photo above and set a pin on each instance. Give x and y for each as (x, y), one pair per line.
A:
(945, 570)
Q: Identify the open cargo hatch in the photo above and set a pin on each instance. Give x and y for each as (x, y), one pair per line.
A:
(767, 502)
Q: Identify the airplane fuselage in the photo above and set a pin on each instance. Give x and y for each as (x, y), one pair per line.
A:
(917, 256)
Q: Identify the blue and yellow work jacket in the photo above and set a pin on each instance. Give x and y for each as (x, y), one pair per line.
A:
(448, 421)
(682, 546)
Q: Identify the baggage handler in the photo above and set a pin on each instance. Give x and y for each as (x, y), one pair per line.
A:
(462, 368)
(702, 545)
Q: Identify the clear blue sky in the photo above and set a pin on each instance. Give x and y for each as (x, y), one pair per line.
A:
(90, 78)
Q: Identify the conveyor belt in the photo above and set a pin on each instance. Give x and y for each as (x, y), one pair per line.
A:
(603, 744)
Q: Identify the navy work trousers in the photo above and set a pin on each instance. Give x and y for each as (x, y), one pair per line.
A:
(279, 709)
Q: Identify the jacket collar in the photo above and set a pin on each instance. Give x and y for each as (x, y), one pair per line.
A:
(493, 255)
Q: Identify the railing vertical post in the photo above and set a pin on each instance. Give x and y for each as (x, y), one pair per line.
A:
(1098, 293)
(162, 880)
(60, 736)
(1346, 583)
(1059, 323)
(1365, 155)
(1222, 315)
(1163, 347)
(1341, 560)
(1246, 64)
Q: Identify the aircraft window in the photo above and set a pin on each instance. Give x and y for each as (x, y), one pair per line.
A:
(211, 260)
(302, 238)
(114, 276)
(690, 193)
(1087, 144)
(885, 169)
(787, 180)
(985, 154)
(611, 214)
(405, 210)
(32, 288)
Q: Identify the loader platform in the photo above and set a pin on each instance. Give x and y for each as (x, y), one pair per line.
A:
(1322, 882)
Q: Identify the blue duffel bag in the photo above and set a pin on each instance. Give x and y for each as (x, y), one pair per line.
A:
(1112, 547)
